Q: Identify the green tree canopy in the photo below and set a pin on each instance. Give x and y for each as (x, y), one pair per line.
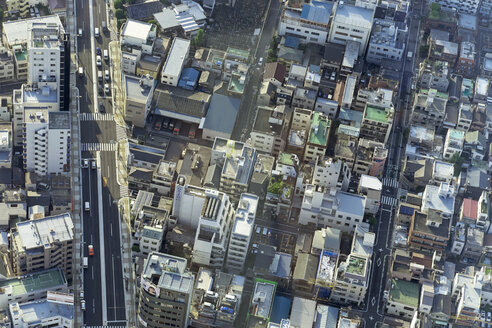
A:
(120, 13)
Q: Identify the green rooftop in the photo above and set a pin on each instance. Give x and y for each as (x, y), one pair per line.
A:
(286, 159)
(34, 282)
(320, 126)
(405, 292)
(21, 56)
(238, 53)
(467, 89)
(378, 114)
(438, 94)
(235, 85)
(356, 265)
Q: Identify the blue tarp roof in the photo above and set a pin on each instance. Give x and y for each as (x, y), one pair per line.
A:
(189, 78)
(291, 42)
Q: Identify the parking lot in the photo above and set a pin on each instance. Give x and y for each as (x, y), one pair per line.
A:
(284, 241)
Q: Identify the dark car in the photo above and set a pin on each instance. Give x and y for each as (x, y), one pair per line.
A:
(101, 108)
(98, 50)
(100, 90)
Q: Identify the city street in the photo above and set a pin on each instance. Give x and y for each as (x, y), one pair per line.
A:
(103, 279)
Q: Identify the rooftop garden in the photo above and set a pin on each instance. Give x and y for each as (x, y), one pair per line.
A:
(356, 265)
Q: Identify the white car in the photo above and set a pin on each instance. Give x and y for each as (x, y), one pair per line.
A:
(80, 31)
(85, 163)
(98, 61)
(106, 75)
(106, 88)
(82, 305)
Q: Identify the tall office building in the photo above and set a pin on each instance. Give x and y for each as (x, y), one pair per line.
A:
(41, 244)
(166, 289)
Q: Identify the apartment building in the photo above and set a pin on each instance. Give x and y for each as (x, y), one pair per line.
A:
(310, 24)
(139, 36)
(7, 64)
(453, 143)
(403, 300)
(352, 276)
(31, 287)
(323, 207)
(178, 54)
(270, 130)
(465, 65)
(214, 230)
(242, 231)
(468, 304)
(237, 161)
(166, 288)
(46, 141)
(376, 123)
(351, 23)
(463, 7)
(138, 98)
(429, 108)
(387, 41)
(41, 244)
(433, 74)
(429, 231)
(22, 7)
(317, 139)
(57, 310)
(329, 173)
(372, 188)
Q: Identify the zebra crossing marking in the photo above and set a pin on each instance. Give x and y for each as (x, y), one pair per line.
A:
(390, 182)
(96, 117)
(386, 200)
(94, 146)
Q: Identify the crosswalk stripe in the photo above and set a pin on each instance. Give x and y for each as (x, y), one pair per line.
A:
(386, 200)
(96, 117)
(123, 191)
(120, 132)
(94, 146)
(391, 182)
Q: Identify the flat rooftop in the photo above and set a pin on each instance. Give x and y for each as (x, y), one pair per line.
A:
(134, 90)
(43, 95)
(136, 29)
(356, 265)
(263, 298)
(245, 215)
(16, 32)
(168, 272)
(45, 231)
(378, 114)
(326, 267)
(59, 120)
(34, 282)
(405, 292)
(320, 126)
(31, 313)
(176, 57)
(353, 15)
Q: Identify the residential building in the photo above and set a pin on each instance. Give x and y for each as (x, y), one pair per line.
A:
(183, 17)
(6, 151)
(241, 233)
(429, 108)
(433, 74)
(301, 119)
(474, 244)
(387, 41)
(149, 66)
(429, 231)
(317, 139)
(44, 243)
(376, 123)
(138, 98)
(139, 36)
(463, 7)
(454, 143)
(426, 297)
(237, 161)
(5, 109)
(381, 97)
(304, 274)
(166, 288)
(261, 301)
(214, 230)
(465, 64)
(310, 24)
(274, 73)
(468, 304)
(352, 276)
(351, 23)
(372, 188)
(129, 62)
(270, 130)
(330, 173)
(261, 175)
(328, 207)
(31, 287)
(56, 310)
(171, 71)
(304, 98)
(7, 64)
(313, 77)
(403, 300)
(21, 7)
(327, 107)
(216, 299)
(46, 141)
(47, 62)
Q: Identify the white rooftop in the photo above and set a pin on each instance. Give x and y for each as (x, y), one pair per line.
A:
(16, 32)
(482, 86)
(245, 215)
(370, 182)
(42, 232)
(136, 29)
(352, 15)
(177, 55)
(263, 299)
(439, 198)
(303, 312)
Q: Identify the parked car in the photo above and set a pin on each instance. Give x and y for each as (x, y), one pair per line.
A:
(106, 88)
(91, 250)
(98, 50)
(98, 61)
(106, 75)
(85, 165)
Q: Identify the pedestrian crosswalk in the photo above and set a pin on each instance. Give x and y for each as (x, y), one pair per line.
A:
(388, 200)
(120, 132)
(123, 191)
(94, 146)
(96, 117)
(390, 182)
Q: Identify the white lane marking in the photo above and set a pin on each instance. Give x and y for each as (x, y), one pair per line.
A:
(92, 273)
